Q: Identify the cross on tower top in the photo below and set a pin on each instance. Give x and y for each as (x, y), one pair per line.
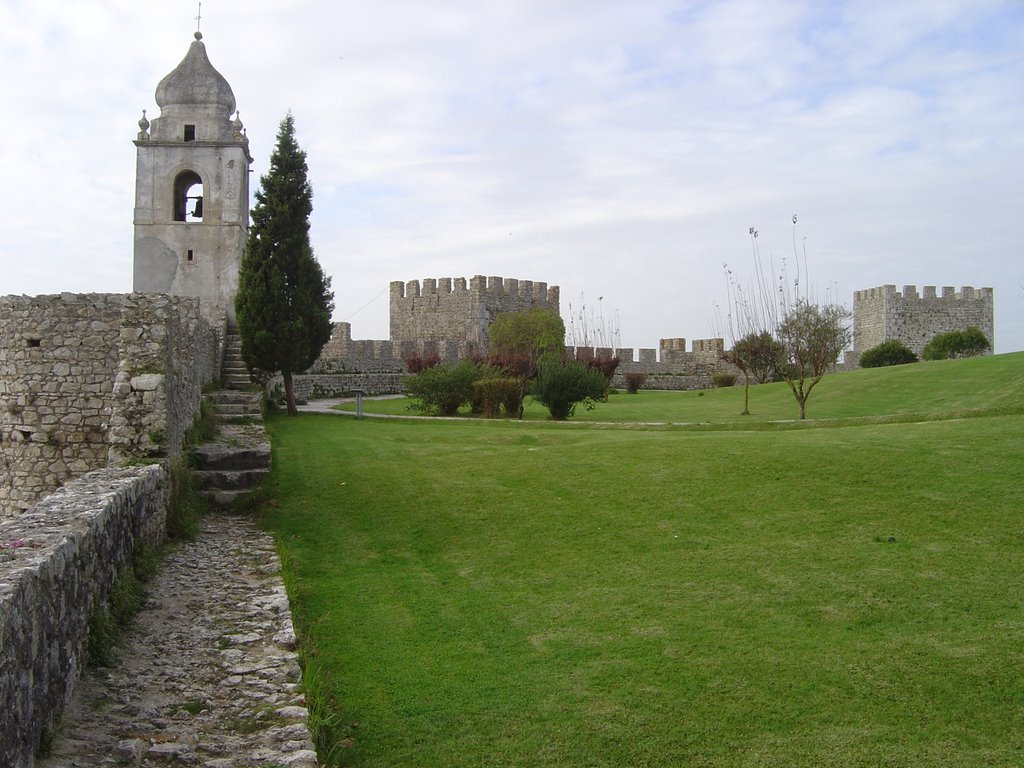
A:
(199, 16)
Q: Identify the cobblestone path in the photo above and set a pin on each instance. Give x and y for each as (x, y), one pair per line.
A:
(207, 674)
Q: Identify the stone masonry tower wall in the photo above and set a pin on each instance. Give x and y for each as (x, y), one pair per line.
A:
(448, 310)
(192, 189)
(883, 314)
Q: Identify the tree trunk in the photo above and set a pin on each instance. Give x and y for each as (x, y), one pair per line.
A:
(746, 394)
(289, 395)
(803, 408)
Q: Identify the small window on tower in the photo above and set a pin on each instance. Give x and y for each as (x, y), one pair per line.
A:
(190, 256)
(190, 133)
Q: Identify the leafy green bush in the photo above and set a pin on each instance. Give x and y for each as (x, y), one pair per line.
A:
(493, 393)
(724, 379)
(892, 352)
(969, 342)
(559, 386)
(530, 333)
(443, 389)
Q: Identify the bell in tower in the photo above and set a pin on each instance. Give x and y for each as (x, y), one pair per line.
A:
(192, 189)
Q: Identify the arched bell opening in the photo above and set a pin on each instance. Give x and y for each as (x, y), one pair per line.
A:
(188, 197)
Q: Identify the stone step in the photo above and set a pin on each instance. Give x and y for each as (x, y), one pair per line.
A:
(233, 397)
(230, 480)
(234, 460)
(239, 447)
(222, 499)
(242, 418)
(238, 409)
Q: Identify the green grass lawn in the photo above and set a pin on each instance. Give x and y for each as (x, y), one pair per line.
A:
(505, 594)
(929, 390)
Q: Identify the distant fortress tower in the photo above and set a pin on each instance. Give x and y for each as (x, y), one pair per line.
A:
(192, 189)
(443, 310)
(883, 314)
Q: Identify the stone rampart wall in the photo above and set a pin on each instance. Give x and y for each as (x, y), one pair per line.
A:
(58, 561)
(883, 314)
(88, 380)
(452, 310)
(377, 367)
(343, 354)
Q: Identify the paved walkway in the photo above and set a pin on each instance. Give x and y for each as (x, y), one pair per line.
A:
(207, 675)
(327, 404)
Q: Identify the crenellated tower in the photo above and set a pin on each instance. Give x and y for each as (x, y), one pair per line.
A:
(192, 189)
(883, 313)
(445, 310)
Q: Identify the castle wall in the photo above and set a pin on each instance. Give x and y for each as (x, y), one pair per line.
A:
(671, 366)
(89, 380)
(448, 310)
(378, 367)
(883, 314)
(58, 561)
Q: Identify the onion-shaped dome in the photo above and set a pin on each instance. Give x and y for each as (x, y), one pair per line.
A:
(194, 82)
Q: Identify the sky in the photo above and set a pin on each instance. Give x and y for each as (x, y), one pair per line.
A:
(619, 150)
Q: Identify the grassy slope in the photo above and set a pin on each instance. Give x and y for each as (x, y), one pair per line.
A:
(936, 388)
(484, 593)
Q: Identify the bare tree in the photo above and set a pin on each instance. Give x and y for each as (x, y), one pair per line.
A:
(812, 337)
(751, 322)
(588, 327)
(782, 329)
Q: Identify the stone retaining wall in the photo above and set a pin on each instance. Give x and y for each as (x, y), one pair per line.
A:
(58, 561)
(320, 385)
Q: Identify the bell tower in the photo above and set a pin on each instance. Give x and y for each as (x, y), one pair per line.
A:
(192, 189)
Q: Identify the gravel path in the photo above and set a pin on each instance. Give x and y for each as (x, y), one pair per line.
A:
(207, 674)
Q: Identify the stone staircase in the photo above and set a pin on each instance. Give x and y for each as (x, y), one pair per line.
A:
(231, 466)
(234, 374)
(235, 406)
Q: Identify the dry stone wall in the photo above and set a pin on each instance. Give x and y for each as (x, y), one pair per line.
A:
(89, 380)
(58, 562)
(58, 358)
(167, 353)
(884, 314)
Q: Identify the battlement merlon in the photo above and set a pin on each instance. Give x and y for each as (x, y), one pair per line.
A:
(536, 292)
(928, 292)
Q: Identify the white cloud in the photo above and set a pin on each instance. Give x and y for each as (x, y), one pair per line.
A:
(615, 149)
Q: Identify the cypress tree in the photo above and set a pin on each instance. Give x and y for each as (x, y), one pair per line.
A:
(284, 301)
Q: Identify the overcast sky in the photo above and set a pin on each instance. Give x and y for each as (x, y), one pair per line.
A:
(619, 150)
